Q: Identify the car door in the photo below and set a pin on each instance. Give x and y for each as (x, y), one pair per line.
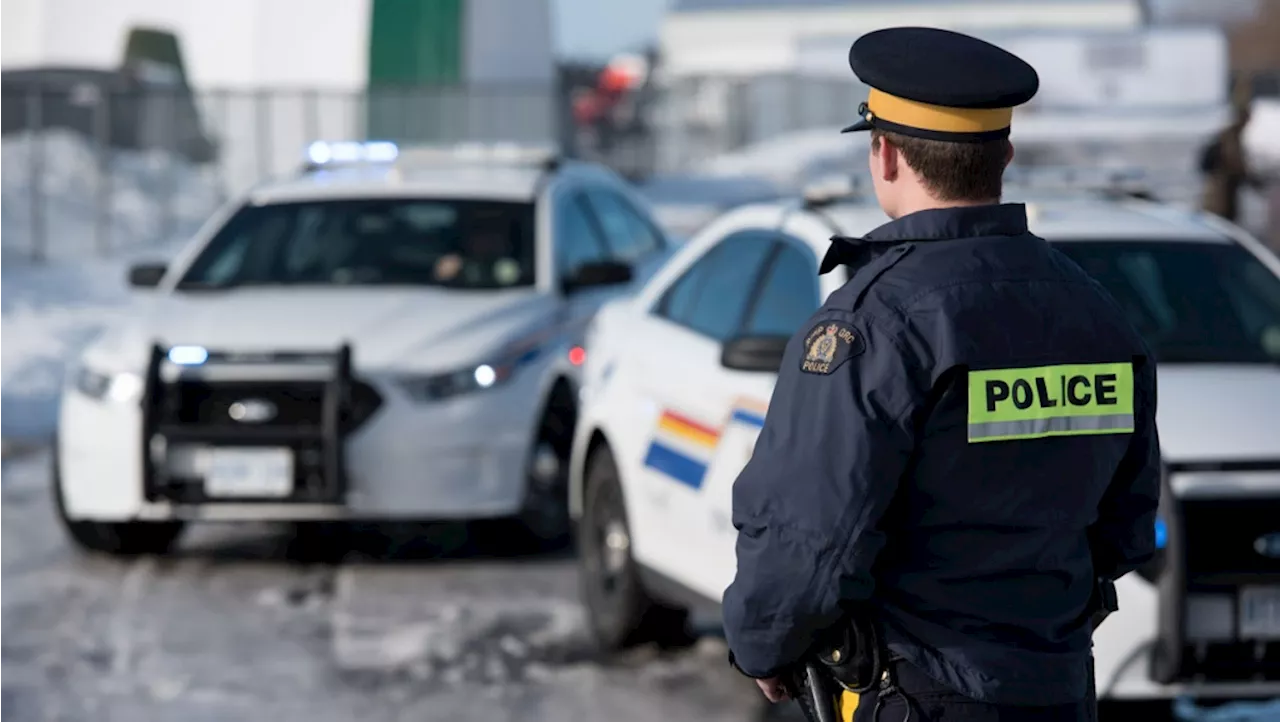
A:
(577, 239)
(786, 295)
(632, 237)
(689, 407)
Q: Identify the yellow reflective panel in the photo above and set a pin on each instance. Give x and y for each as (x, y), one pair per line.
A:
(1039, 401)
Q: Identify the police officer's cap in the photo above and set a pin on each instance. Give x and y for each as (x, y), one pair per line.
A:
(938, 84)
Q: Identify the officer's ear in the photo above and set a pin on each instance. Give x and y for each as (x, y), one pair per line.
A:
(885, 157)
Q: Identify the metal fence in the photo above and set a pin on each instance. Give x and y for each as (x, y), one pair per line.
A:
(97, 163)
(94, 165)
(91, 166)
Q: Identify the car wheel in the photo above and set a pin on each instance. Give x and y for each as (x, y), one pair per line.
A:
(124, 539)
(544, 517)
(620, 612)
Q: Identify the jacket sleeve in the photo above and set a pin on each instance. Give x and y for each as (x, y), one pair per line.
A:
(1123, 537)
(836, 439)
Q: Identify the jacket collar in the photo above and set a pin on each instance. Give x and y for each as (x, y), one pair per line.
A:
(935, 224)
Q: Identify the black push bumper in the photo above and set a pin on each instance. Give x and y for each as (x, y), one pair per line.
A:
(193, 405)
(1209, 558)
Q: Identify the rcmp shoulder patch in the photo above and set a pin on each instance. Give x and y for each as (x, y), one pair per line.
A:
(829, 344)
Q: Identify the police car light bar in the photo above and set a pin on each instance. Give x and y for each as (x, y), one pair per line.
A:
(1121, 180)
(502, 153)
(321, 154)
(831, 188)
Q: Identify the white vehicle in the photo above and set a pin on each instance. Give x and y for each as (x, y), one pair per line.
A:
(678, 378)
(397, 339)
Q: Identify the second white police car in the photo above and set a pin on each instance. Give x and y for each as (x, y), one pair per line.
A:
(393, 337)
(678, 379)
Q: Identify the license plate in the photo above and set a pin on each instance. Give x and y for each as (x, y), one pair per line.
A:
(248, 472)
(1260, 612)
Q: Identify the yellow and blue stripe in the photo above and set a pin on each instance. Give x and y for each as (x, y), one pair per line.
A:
(682, 448)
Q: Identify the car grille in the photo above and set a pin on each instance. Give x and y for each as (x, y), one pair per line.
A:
(191, 413)
(1220, 542)
(298, 404)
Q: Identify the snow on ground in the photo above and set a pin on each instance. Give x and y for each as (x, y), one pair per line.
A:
(52, 308)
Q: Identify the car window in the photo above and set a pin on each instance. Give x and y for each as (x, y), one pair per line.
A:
(788, 294)
(577, 238)
(711, 297)
(1192, 302)
(629, 237)
(403, 241)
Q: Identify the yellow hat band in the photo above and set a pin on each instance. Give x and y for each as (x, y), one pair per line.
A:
(938, 118)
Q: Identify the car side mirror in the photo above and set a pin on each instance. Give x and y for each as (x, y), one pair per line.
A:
(146, 275)
(600, 273)
(754, 353)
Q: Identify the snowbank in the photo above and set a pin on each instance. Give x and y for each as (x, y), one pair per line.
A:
(50, 310)
(137, 198)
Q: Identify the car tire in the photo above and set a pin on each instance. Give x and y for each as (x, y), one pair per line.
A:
(620, 612)
(121, 539)
(544, 516)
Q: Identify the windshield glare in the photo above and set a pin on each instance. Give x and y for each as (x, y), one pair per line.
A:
(418, 242)
(1192, 302)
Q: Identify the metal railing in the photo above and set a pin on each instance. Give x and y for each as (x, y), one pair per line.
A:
(99, 164)
(93, 167)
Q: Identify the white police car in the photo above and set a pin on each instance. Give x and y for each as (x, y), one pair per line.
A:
(678, 378)
(393, 337)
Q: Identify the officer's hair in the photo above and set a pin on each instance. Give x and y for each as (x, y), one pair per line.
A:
(952, 171)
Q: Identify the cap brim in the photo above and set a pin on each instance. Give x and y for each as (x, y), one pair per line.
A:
(860, 125)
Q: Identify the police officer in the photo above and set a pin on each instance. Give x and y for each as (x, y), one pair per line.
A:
(962, 439)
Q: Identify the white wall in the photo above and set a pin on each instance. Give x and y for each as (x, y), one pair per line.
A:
(225, 43)
(760, 41)
(21, 33)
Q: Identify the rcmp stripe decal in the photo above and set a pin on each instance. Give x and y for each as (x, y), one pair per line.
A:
(682, 448)
(676, 465)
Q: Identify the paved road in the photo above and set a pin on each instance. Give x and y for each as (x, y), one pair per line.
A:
(428, 624)
(228, 628)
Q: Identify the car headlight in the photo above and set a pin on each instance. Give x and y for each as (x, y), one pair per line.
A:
(470, 379)
(121, 387)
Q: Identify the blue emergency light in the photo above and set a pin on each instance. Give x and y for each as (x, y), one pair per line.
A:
(188, 355)
(326, 153)
(1162, 534)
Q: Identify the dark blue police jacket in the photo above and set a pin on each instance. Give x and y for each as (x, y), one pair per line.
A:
(962, 437)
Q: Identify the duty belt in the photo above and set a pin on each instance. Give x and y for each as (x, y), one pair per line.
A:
(830, 681)
(828, 684)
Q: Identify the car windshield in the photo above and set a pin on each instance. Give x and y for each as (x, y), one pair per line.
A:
(373, 242)
(1192, 302)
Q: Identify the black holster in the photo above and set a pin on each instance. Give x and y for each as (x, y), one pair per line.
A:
(852, 656)
(1104, 602)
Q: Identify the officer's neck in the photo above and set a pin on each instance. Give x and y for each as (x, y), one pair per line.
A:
(914, 203)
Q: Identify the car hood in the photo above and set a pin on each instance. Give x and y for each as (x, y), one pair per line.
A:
(1219, 412)
(403, 329)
